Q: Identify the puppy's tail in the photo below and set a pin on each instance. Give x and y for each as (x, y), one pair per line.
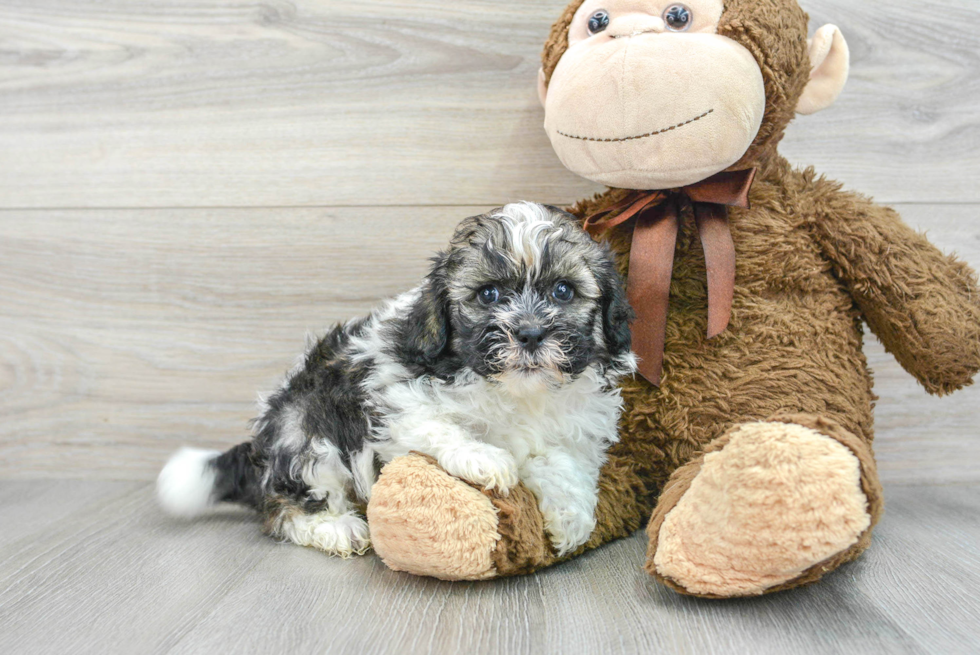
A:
(194, 480)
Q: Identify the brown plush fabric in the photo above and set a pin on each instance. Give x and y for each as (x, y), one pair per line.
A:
(813, 264)
(523, 546)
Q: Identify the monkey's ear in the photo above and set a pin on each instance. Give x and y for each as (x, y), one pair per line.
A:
(830, 61)
(424, 334)
(542, 87)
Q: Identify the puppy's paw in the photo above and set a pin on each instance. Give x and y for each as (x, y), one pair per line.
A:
(342, 535)
(568, 529)
(482, 464)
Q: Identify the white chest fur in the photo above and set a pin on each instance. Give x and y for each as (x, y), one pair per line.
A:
(525, 416)
(496, 433)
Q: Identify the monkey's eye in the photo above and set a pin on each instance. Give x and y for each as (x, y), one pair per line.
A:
(678, 18)
(599, 21)
(563, 292)
(488, 295)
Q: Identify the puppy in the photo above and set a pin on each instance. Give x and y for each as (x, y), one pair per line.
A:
(503, 366)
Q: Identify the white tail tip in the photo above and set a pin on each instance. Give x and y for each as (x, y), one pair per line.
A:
(186, 483)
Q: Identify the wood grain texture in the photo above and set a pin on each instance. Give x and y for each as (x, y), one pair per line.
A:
(118, 577)
(125, 334)
(190, 103)
(29, 509)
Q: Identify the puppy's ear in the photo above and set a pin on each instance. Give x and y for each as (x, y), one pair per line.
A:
(616, 311)
(424, 334)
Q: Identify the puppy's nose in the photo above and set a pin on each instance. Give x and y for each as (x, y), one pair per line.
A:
(530, 337)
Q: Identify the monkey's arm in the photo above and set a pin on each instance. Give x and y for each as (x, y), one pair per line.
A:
(923, 305)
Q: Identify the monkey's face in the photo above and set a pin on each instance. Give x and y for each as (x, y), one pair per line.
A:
(650, 96)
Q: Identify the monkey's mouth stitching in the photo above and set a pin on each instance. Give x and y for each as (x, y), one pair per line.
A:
(640, 136)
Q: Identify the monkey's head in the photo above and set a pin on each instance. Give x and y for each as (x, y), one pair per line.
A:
(654, 94)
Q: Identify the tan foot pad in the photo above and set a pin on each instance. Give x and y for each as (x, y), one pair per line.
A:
(778, 499)
(426, 522)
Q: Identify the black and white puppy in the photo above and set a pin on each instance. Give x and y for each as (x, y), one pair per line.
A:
(503, 366)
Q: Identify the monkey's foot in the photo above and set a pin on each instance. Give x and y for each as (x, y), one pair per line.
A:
(769, 506)
(427, 522)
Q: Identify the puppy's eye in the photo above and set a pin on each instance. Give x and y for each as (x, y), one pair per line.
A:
(678, 18)
(487, 295)
(563, 292)
(599, 21)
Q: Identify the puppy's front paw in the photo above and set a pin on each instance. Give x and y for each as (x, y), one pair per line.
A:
(491, 467)
(568, 529)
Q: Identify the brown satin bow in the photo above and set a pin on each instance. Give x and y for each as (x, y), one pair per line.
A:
(652, 255)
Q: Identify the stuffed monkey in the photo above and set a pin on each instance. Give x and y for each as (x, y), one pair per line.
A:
(746, 442)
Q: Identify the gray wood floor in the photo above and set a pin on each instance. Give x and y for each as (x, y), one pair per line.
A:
(188, 186)
(93, 567)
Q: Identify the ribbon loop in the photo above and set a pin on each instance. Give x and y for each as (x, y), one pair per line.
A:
(599, 223)
(730, 189)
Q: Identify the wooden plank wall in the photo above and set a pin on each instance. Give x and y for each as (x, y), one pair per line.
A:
(188, 186)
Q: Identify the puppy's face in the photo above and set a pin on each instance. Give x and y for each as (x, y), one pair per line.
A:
(524, 294)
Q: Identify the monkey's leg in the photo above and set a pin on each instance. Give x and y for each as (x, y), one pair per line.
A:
(426, 522)
(770, 506)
